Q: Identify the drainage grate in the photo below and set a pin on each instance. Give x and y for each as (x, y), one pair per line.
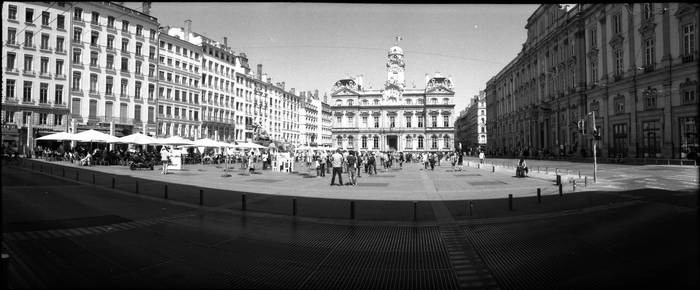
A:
(478, 183)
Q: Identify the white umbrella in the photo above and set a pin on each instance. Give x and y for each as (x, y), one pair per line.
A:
(60, 136)
(138, 138)
(94, 136)
(250, 146)
(174, 140)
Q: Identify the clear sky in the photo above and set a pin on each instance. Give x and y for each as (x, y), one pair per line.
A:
(312, 45)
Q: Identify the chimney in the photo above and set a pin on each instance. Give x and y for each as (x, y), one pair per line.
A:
(269, 80)
(281, 85)
(188, 29)
(260, 71)
(146, 8)
(359, 81)
(225, 41)
(316, 93)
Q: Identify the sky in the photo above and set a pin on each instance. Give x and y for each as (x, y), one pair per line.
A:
(312, 45)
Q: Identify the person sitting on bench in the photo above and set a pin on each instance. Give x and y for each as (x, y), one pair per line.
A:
(522, 168)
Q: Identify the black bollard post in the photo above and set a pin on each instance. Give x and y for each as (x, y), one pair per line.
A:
(201, 197)
(137, 186)
(579, 174)
(574, 186)
(585, 181)
(165, 191)
(539, 195)
(415, 211)
(243, 201)
(294, 207)
(352, 210)
(558, 179)
(561, 193)
(494, 169)
(114, 182)
(510, 202)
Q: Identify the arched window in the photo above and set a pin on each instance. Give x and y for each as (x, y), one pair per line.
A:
(349, 102)
(408, 101)
(446, 140)
(375, 142)
(376, 101)
(340, 141)
(351, 142)
(392, 100)
(420, 142)
(445, 101)
(409, 142)
(364, 102)
(420, 101)
(433, 101)
(338, 102)
(433, 142)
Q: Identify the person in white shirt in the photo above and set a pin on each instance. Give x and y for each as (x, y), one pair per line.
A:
(337, 161)
(481, 157)
(164, 158)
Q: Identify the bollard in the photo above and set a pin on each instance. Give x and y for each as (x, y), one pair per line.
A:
(352, 210)
(114, 182)
(546, 170)
(201, 197)
(585, 181)
(93, 178)
(510, 202)
(538, 169)
(137, 186)
(579, 174)
(574, 186)
(539, 195)
(294, 207)
(415, 211)
(558, 179)
(556, 170)
(669, 161)
(494, 169)
(165, 191)
(560, 191)
(478, 166)
(243, 201)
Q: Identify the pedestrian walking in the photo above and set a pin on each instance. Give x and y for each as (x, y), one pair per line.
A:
(460, 161)
(337, 162)
(481, 157)
(351, 163)
(164, 158)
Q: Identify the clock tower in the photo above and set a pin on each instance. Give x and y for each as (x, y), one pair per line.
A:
(395, 66)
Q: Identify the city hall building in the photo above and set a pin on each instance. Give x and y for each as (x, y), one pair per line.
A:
(393, 118)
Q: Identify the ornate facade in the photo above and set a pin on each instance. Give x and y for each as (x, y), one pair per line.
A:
(393, 118)
(634, 65)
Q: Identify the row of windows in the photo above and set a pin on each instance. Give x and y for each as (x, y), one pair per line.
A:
(29, 17)
(408, 145)
(95, 37)
(179, 95)
(43, 118)
(181, 51)
(408, 101)
(109, 86)
(194, 68)
(28, 43)
(392, 121)
(28, 97)
(96, 20)
(109, 110)
(44, 64)
(191, 115)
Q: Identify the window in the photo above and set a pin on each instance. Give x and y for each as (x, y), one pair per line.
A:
(45, 16)
(110, 21)
(77, 31)
(59, 67)
(27, 117)
(138, 67)
(409, 142)
(446, 121)
(76, 56)
(151, 91)
(688, 39)
(57, 120)
(376, 102)
(408, 121)
(43, 93)
(94, 36)
(78, 14)
(110, 61)
(76, 81)
(125, 45)
(95, 18)
(376, 121)
(44, 41)
(139, 30)
(647, 11)
(60, 22)
(125, 26)
(93, 58)
(93, 83)
(649, 53)
(29, 15)
(123, 88)
(689, 136)
(650, 98)
(43, 118)
(152, 53)
(10, 61)
(138, 48)
(28, 59)
(392, 121)
(349, 102)
(619, 65)
(594, 72)
(617, 23)
(12, 12)
(420, 121)
(27, 92)
(446, 101)
(152, 35)
(10, 88)
(420, 142)
(689, 97)
(433, 120)
(339, 141)
(110, 41)
(446, 141)
(375, 142)
(619, 105)
(44, 66)
(125, 64)
(651, 138)
(58, 96)
(339, 120)
(28, 39)
(59, 44)
(363, 141)
(11, 36)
